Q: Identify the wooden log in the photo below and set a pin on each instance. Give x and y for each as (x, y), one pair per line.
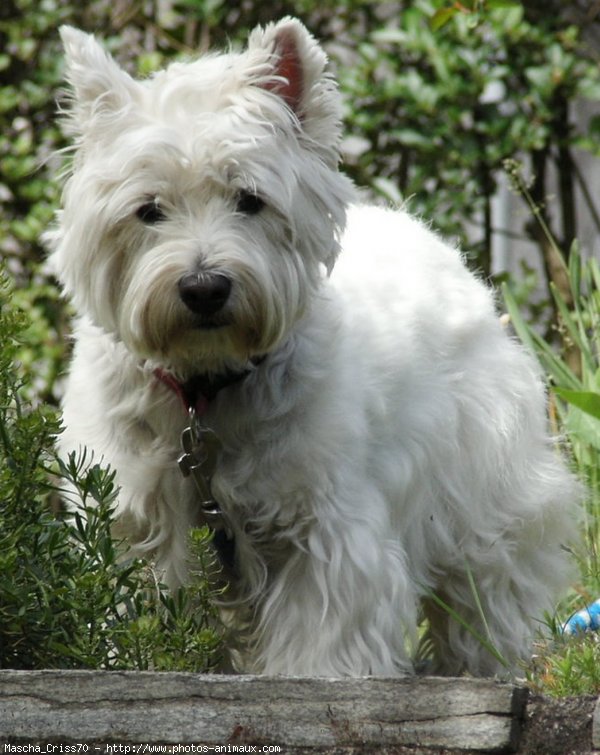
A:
(146, 707)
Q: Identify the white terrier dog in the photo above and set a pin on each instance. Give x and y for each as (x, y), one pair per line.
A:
(362, 437)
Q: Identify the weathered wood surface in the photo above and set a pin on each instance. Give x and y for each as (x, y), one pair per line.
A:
(146, 707)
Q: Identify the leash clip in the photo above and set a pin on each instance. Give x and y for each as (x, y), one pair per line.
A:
(201, 448)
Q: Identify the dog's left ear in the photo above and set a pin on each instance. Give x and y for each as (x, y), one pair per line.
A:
(299, 77)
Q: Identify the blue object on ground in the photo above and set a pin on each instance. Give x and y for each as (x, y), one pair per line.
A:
(585, 620)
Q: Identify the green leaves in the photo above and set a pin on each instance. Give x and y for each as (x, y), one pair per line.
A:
(69, 597)
(571, 359)
(475, 9)
(442, 16)
(443, 92)
(587, 401)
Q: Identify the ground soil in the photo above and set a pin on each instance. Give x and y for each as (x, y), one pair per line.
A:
(558, 727)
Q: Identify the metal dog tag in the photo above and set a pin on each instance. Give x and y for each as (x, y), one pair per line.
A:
(199, 458)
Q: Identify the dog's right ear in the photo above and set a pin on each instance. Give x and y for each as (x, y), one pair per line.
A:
(100, 88)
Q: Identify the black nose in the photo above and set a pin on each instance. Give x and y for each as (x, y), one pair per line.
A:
(204, 293)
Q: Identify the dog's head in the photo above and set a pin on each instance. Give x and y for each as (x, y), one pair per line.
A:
(203, 205)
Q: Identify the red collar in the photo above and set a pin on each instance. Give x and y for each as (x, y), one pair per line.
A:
(197, 392)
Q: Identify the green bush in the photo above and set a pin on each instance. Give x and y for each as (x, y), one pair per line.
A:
(69, 597)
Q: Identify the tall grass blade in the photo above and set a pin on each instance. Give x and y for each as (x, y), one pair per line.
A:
(489, 646)
(560, 373)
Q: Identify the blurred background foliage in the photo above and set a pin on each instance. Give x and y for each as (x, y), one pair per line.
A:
(437, 96)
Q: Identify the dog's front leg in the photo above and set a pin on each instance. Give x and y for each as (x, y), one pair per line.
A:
(342, 605)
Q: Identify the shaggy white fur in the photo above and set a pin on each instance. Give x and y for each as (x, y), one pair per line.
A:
(389, 440)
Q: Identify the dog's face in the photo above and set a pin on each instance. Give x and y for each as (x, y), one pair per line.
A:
(204, 204)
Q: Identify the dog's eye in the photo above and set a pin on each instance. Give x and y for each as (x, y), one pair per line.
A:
(249, 203)
(151, 213)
